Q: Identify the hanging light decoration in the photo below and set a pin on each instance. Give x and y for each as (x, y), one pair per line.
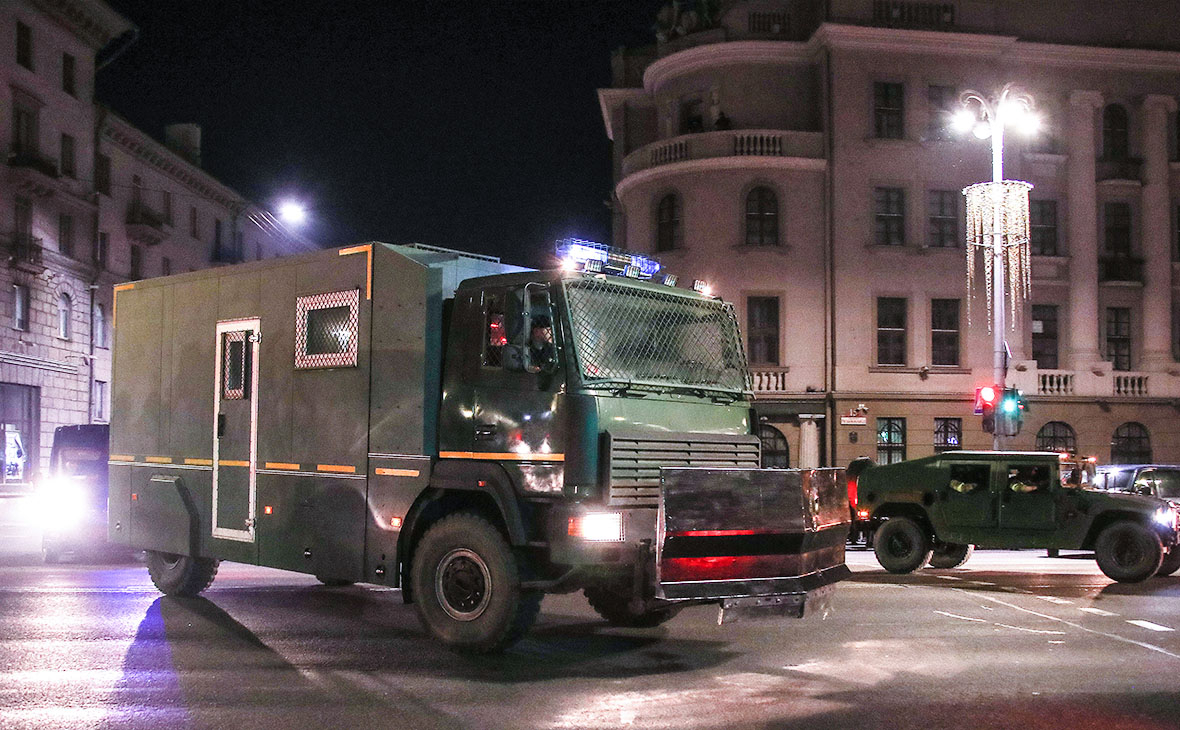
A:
(999, 209)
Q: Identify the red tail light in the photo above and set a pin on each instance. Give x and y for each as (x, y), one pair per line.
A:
(852, 492)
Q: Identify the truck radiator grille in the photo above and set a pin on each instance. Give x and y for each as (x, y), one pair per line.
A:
(635, 461)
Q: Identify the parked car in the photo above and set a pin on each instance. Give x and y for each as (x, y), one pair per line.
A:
(73, 494)
(936, 509)
(1156, 480)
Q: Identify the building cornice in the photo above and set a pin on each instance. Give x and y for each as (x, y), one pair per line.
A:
(91, 20)
(715, 164)
(610, 99)
(723, 54)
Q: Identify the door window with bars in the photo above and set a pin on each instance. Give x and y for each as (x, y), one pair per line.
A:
(944, 332)
(890, 440)
(891, 331)
(948, 434)
(1118, 337)
(326, 330)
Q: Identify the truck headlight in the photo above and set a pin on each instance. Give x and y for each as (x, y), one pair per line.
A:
(597, 527)
(62, 503)
(1166, 516)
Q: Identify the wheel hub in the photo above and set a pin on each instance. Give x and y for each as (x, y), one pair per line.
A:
(463, 584)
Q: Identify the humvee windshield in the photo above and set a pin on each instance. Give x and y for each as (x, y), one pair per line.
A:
(638, 336)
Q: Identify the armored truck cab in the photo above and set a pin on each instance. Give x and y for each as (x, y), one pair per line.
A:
(474, 434)
(935, 509)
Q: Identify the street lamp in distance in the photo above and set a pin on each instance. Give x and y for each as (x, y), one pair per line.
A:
(292, 213)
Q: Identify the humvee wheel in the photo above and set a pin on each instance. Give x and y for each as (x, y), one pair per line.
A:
(901, 545)
(1171, 562)
(615, 608)
(1128, 552)
(466, 586)
(950, 555)
(180, 575)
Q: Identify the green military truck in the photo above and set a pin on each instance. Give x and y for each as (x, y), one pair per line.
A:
(936, 509)
(475, 434)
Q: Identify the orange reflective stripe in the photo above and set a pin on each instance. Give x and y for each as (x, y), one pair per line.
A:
(381, 471)
(500, 456)
(337, 468)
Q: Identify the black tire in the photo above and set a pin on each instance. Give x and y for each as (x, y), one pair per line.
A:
(1128, 552)
(466, 585)
(180, 575)
(949, 555)
(901, 545)
(1171, 562)
(615, 608)
(1053, 553)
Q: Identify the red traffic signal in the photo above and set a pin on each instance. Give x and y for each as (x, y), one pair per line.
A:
(985, 399)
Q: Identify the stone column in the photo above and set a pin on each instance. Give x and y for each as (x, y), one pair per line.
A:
(1156, 235)
(1082, 229)
(808, 443)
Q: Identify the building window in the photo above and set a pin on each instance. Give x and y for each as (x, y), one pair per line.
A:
(21, 420)
(193, 229)
(889, 216)
(944, 219)
(165, 266)
(1118, 337)
(100, 401)
(24, 130)
(944, 332)
(65, 313)
(1044, 336)
(326, 328)
(942, 101)
(772, 23)
(762, 330)
(136, 262)
(99, 326)
(219, 254)
(1042, 216)
(692, 116)
(102, 249)
(1057, 436)
(24, 45)
(891, 333)
(948, 434)
(102, 174)
(65, 234)
(68, 163)
(1131, 444)
(668, 232)
(890, 440)
(889, 110)
(20, 307)
(68, 68)
(761, 217)
(1117, 223)
(775, 451)
(1115, 139)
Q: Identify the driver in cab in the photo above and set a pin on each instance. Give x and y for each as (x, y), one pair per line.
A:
(542, 352)
(1025, 479)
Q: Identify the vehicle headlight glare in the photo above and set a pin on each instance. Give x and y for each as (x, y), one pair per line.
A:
(1165, 517)
(597, 527)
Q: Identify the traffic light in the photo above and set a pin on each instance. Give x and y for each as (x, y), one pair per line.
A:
(1010, 412)
(985, 405)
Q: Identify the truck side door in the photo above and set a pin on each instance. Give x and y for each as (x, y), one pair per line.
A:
(1028, 496)
(968, 499)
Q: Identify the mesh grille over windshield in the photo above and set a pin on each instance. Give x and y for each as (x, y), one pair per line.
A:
(643, 336)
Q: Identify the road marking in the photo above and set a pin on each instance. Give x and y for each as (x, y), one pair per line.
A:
(1148, 625)
(1033, 631)
(964, 618)
(980, 583)
(1096, 611)
(948, 577)
(1055, 599)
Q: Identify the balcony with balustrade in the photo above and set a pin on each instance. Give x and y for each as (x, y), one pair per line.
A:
(146, 225)
(24, 253)
(32, 173)
(762, 143)
(1097, 385)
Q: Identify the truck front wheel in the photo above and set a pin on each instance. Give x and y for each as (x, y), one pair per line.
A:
(616, 608)
(180, 575)
(901, 545)
(1128, 552)
(948, 555)
(466, 584)
(1171, 562)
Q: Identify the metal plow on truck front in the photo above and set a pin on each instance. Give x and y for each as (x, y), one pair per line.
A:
(760, 542)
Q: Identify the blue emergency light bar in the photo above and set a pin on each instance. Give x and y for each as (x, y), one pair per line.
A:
(595, 257)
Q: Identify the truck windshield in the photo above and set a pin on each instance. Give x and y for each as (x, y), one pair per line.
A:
(638, 336)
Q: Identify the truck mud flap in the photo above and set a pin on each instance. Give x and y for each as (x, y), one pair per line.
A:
(761, 542)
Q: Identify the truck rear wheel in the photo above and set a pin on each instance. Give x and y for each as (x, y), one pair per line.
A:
(901, 545)
(1171, 562)
(616, 608)
(466, 584)
(180, 575)
(1128, 552)
(948, 555)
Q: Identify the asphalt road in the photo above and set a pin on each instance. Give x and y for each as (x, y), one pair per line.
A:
(1012, 640)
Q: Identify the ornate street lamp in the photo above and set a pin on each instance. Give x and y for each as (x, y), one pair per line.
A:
(998, 217)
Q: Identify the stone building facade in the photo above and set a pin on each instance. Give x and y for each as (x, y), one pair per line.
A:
(797, 154)
(88, 201)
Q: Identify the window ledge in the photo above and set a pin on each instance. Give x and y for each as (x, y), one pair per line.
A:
(930, 370)
(778, 249)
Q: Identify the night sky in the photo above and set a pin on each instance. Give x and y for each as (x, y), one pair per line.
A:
(472, 125)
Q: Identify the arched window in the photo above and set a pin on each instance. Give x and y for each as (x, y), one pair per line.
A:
(775, 451)
(1131, 444)
(761, 217)
(99, 326)
(1115, 142)
(65, 311)
(668, 232)
(1057, 436)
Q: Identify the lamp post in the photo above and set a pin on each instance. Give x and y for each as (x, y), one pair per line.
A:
(997, 213)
